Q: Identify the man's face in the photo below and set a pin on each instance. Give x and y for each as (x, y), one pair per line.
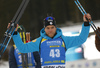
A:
(50, 30)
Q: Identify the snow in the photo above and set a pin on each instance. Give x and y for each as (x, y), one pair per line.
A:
(90, 49)
(4, 64)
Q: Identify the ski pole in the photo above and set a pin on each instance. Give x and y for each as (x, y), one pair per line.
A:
(16, 15)
(84, 12)
(9, 32)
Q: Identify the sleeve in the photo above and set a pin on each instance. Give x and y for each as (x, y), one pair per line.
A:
(12, 60)
(27, 47)
(77, 40)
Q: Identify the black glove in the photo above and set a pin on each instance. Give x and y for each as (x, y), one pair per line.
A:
(86, 24)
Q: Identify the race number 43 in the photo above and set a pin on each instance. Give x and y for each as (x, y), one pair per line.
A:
(54, 53)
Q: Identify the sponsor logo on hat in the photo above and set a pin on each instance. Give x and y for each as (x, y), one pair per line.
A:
(51, 23)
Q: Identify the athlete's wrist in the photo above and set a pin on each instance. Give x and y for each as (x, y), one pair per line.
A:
(15, 33)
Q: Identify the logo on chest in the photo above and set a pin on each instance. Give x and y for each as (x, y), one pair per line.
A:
(53, 43)
(49, 43)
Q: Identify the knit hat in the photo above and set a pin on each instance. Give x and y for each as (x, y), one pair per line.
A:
(49, 21)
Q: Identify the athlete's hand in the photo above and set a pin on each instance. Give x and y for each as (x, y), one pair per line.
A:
(87, 17)
(9, 24)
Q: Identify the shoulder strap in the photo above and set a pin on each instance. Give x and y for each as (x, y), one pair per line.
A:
(14, 46)
(63, 43)
(40, 45)
(42, 39)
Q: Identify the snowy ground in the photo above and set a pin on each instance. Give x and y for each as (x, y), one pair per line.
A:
(90, 49)
(4, 64)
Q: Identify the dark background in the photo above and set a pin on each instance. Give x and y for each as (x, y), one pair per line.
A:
(64, 11)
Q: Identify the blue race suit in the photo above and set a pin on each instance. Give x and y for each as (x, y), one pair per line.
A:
(68, 40)
(18, 59)
(52, 52)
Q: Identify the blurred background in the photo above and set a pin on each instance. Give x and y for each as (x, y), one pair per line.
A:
(65, 12)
